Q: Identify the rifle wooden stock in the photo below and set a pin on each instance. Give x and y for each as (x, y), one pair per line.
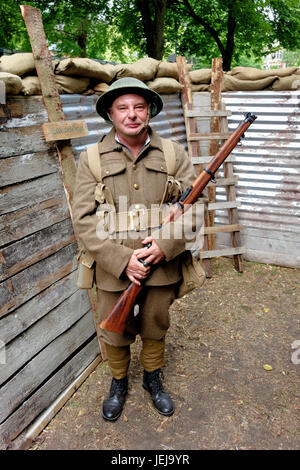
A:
(118, 316)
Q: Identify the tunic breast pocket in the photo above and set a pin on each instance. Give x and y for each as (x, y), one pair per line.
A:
(155, 179)
(114, 178)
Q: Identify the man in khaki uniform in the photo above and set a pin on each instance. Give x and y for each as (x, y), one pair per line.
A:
(134, 175)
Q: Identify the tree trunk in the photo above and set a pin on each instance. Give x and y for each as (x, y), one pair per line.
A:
(81, 37)
(153, 23)
(231, 25)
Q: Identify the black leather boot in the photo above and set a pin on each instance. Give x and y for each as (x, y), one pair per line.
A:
(113, 404)
(160, 398)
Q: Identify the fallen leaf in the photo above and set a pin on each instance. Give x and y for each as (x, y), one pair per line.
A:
(268, 367)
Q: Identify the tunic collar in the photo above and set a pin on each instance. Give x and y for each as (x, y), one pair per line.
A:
(109, 142)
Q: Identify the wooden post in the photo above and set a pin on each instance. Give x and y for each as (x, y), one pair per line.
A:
(233, 216)
(191, 128)
(43, 63)
(215, 104)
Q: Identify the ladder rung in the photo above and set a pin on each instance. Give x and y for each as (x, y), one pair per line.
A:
(223, 205)
(211, 136)
(224, 181)
(223, 252)
(223, 229)
(207, 159)
(197, 112)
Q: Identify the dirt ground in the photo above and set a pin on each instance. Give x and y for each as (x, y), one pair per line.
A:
(223, 337)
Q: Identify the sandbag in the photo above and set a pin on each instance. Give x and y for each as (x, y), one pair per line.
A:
(201, 76)
(142, 69)
(65, 84)
(200, 87)
(169, 69)
(101, 87)
(231, 83)
(287, 83)
(251, 73)
(13, 83)
(86, 68)
(17, 64)
(165, 85)
(31, 86)
(68, 84)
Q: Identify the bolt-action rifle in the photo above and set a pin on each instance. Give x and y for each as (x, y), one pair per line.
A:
(118, 316)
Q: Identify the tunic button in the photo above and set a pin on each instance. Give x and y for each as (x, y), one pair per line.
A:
(134, 167)
(136, 186)
(107, 172)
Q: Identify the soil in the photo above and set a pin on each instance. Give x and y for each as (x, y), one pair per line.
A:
(230, 369)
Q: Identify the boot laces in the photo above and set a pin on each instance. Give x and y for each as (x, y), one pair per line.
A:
(118, 386)
(155, 383)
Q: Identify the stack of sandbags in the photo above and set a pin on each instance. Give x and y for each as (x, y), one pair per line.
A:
(250, 78)
(31, 85)
(166, 79)
(87, 76)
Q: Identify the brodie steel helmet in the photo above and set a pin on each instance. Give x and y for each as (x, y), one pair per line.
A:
(124, 86)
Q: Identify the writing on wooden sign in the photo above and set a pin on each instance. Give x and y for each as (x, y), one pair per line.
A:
(63, 130)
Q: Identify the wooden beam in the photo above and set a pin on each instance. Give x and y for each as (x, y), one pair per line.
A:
(212, 206)
(207, 113)
(191, 127)
(43, 63)
(223, 228)
(211, 136)
(223, 252)
(208, 158)
(215, 135)
(233, 212)
(223, 182)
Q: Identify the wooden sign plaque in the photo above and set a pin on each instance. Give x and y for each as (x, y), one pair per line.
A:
(63, 130)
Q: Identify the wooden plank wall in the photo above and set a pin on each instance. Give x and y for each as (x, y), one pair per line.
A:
(46, 323)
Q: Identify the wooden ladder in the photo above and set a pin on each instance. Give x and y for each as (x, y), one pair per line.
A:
(216, 111)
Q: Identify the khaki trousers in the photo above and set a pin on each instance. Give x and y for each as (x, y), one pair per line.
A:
(152, 321)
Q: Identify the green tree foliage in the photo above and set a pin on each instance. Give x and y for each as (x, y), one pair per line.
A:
(72, 27)
(125, 30)
(234, 28)
(13, 34)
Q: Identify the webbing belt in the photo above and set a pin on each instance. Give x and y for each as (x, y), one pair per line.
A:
(137, 219)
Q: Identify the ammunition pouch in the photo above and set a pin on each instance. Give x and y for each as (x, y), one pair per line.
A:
(193, 274)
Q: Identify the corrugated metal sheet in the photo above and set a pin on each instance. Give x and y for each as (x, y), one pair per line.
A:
(268, 167)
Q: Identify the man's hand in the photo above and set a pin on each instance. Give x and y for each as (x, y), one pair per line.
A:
(151, 255)
(135, 269)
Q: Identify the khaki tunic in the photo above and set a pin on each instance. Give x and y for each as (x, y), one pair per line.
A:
(140, 180)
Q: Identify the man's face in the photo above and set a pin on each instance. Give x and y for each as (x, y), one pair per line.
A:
(129, 114)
